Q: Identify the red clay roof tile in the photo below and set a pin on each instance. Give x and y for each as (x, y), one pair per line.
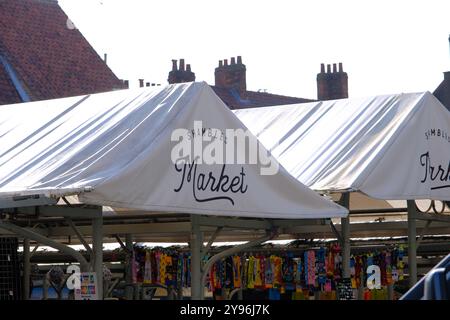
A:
(8, 93)
(50, 59)
(252, 99)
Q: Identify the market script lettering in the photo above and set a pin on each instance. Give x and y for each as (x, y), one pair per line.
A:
(433, 173)
(202, 182)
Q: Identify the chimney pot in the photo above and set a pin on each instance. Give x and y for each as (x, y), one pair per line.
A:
(126, 84)
(141, 83)
(447, 75)
(181, 75)
(231, 78)
(174, 65)
(181, 64)
(332, 86)
(147, 84)
(153, 84)
(322, 68)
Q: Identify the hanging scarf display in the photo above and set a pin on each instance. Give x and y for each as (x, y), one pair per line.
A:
(277, 271)
(309, 272)
(258, 273)
(237, 272)
(328, 286)
(180, 269)
(298, 275)
(228, 273)
(311, 275)
(268, 273)
(330, 263)
(353, 271)
(147, 268)
(388, 262)
(358, 271)
(158, 266)
(288, 272)
(382, 264)
(245, 272)
(134, 268)
(400, 264)
(321, 270)
(369, 259)
(251, 273)
(336, 251)
(216, 276)
(188, 270)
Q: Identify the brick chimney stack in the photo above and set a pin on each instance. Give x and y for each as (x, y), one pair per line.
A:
(180, 75)
(231, 76)
(332, 85)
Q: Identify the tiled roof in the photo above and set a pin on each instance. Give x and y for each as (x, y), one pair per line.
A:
(50, 58)
(253, 99)
(8, 93)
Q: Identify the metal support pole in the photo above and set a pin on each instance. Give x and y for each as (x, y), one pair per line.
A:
(336, 232)
(360, 293)
(390, 289)
(180, 293)
(27, 233)
(97, 242)
(424, 231)
(345, 229)
(80, 237)
(241, 294)
(26, 269)
(412, 247)
(34, 250)
(196, 247)
(45, 286)
(213, 237)
(129, 272)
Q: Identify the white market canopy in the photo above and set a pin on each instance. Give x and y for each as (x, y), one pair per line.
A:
(114, 149)
(388, 147)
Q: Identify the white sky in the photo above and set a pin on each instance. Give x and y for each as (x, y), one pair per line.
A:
(385, 46)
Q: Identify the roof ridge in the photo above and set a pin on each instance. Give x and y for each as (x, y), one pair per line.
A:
(278, 95)
(48, 1)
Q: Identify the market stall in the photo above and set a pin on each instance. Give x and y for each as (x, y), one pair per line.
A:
(159, 150)
(277, 272)
(391, 147)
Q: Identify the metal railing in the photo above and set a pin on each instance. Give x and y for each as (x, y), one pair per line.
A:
(435, 285)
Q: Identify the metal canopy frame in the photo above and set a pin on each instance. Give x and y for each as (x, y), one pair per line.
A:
(26, 201)
(32, 209)
(199, 272)
(88, 221)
